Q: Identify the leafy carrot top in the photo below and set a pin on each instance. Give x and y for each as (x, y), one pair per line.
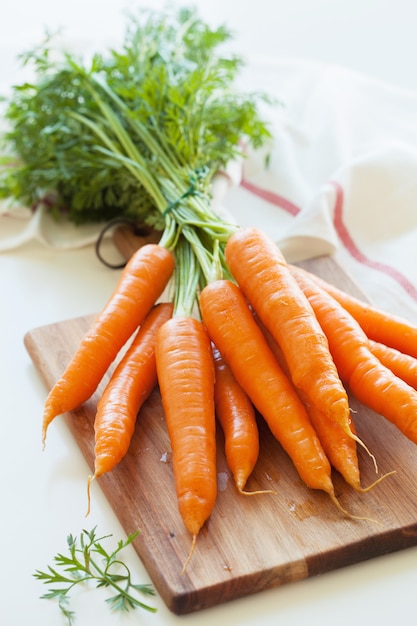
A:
(138, 132)
(132, 131)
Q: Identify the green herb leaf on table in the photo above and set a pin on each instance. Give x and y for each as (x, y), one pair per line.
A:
(80, 565)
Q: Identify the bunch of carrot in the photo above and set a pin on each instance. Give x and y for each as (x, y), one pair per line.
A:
(266, 338)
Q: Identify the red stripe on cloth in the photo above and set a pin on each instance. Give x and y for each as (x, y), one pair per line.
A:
(354, 251)
(341, 229)
(271, 197)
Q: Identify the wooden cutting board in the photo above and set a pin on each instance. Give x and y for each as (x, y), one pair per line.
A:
(250, 543)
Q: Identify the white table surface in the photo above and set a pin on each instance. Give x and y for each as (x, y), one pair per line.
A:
(43, 492)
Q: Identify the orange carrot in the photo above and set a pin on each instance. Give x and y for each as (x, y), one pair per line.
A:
(234, 331)
(237, 418)
(402, 365)
(140, 285)
(371, 382)
(381, 326)
(130, 385)
(185, 369)
(339, 447)
(265, 278)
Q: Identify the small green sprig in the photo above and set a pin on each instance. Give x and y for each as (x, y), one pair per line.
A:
(81, 566)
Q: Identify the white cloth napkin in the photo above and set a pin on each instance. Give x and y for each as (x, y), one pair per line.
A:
(342, 180)
(20, 226)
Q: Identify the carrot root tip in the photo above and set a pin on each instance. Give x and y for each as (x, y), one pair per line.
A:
(365, 447)
(190, 554)
(43, 436)
(89, 481)
(375, 483)
(257, 492)
(348, 514)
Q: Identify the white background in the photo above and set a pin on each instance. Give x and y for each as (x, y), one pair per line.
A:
(41, 492)
(376, 37)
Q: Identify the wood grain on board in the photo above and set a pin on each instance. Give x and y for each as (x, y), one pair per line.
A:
(250, 543)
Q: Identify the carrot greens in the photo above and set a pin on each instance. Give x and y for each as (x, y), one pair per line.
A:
(139, 132)
(135, 131)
